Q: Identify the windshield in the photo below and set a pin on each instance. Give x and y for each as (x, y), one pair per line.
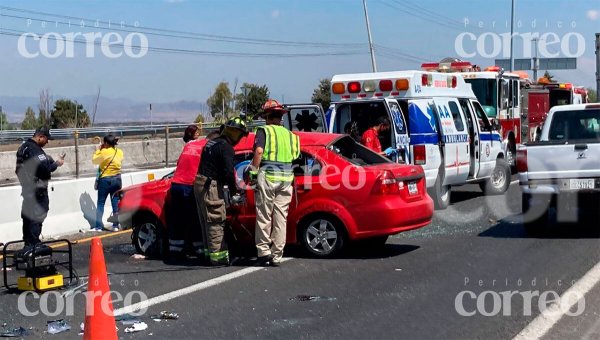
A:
(581, 125)
(485, 91)
(355, 153)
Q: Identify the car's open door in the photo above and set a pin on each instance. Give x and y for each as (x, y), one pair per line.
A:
(305, 118)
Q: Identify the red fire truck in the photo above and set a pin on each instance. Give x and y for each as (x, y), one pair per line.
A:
(539, 98)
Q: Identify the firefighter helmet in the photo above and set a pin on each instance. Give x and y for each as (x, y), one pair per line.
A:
(235, 129)
(273, 106)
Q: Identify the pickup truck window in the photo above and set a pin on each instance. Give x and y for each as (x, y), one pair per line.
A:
(581, 125)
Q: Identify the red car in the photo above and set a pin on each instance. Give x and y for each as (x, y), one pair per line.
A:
(343, 192)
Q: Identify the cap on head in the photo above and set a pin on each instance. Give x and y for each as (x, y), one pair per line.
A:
(111, 139)
(272, 106)
(43, 131)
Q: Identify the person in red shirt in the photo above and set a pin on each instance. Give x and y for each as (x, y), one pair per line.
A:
(370, 138)
(182, 218)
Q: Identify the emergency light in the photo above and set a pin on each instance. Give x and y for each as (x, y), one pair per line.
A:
(402, 84)
(369, 86)
(354, 87)
(338, 88)
(385, 85)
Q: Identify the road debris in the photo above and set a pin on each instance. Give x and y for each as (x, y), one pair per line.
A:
(164, 315)
(136, 327)
(312, 298)
(138, 257)
(18, 332)
(58, 326)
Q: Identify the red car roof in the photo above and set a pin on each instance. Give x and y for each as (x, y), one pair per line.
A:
(306, 139)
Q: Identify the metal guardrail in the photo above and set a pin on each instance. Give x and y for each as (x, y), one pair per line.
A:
(7, 136)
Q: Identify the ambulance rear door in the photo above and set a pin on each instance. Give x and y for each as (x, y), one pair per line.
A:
(305, 118)
(401, 140)
(454, 133)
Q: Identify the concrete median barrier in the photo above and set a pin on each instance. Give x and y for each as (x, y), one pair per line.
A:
(72, 205)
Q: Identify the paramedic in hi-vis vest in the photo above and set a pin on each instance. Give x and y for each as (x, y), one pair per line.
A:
(217, 170)
(275, 148)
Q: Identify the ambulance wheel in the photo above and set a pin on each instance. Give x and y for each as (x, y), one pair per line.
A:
(499, 181)
(440, 194)
(322, 235)
(147, 236)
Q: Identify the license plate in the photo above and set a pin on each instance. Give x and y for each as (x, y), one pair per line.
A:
(412, 188)
(579, 184)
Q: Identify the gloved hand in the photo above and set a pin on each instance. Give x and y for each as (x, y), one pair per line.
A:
(250, 175)
(390, 151)
(238, 199)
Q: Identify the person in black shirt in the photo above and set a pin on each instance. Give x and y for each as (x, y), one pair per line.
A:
(215, 171)
(34, 169)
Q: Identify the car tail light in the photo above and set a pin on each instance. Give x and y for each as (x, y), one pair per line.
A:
(522, 160)
(387, 184)
(420, 155)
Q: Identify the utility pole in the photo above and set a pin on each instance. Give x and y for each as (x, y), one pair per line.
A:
(535, 59)
(373, 64)
(76, 109)
(1, 119)
(150, 114)
(512, 28)
(598, 67)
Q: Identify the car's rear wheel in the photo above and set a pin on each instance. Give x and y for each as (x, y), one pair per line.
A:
(535, 217)
(148, 236)
(322, 235)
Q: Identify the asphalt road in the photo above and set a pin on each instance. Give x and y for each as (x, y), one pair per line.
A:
(407, 290)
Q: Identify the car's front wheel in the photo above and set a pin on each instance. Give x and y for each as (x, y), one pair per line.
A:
(322, 235)
(148, 236)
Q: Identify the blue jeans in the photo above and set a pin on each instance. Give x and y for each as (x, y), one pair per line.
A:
(107, 186)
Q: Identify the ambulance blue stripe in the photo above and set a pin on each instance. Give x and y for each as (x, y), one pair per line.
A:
(429, 138)
(485, 136)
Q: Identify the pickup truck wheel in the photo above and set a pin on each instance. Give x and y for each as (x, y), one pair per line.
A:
(322, 235)
(534, 219)
(148, 236)
(440, 194)
(499, 181)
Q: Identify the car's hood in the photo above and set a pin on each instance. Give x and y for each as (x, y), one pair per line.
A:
(152, 185)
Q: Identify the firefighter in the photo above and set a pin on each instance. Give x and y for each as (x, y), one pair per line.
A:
(275, 148)
(34, 169)
(217, 170)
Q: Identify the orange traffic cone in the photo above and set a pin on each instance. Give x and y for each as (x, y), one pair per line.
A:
(99, 318)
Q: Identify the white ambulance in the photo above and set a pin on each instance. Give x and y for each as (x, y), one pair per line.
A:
(437, 123)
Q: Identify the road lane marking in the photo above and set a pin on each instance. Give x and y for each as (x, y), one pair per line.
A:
(188, 290)
(545, 321)
(87, 239)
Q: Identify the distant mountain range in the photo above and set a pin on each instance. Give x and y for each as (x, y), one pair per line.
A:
(112, 109)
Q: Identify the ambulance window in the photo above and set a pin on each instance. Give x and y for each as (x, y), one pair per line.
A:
(397, 118)
(484, 123)
(404, 107)
(307, 119)
(458, 121)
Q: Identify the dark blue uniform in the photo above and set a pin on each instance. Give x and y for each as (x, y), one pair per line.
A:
(34, 169)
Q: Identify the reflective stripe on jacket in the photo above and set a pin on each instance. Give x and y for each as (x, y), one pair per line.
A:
(281, 148)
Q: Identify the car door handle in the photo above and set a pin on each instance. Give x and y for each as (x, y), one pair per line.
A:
(580, 147)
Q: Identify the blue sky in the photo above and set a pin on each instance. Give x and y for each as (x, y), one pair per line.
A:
(406, 33)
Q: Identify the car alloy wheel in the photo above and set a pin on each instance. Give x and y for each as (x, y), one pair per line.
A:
(321, 237)
(148, 238)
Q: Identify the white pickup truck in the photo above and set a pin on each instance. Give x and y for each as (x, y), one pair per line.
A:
(561, 170)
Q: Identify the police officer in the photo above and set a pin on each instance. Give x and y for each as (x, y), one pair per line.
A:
(34, 169)
(275, 148)
(217, 170)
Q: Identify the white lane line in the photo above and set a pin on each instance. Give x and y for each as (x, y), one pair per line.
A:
(547, 319)
(188, 290)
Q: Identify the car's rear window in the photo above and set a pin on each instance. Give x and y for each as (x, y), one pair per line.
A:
(579, 125)
(355, 153)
